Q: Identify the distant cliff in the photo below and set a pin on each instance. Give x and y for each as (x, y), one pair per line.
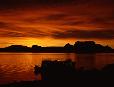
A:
(78, 47)
(91, 46)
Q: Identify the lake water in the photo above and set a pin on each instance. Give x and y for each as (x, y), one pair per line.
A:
(20, 66)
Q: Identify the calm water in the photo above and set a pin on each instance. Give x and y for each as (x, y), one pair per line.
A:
(19, 66)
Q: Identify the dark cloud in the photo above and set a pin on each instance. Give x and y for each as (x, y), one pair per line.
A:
(74, 23)
(104, 2)
(36, 34)
(11, 34)
(107, 22)
(59, 16)
(3, 24)
(23, 3)
(48, 17)
(84, 34)
(11, 30)
(22, 34)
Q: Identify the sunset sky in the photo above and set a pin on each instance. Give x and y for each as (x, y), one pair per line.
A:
(56, 22)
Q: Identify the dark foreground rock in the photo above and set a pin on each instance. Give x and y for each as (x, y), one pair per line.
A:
(64, 73)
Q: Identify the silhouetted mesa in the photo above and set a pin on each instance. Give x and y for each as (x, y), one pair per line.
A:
(91, 46)
(78, 47)
(17, 48)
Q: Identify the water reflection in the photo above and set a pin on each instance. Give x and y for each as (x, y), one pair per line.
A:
(20, 66)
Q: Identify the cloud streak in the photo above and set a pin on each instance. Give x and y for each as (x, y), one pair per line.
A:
(84, 34)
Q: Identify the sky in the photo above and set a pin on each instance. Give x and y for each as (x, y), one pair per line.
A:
(56, 22)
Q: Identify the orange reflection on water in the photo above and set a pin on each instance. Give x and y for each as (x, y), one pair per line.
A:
(20, 66)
